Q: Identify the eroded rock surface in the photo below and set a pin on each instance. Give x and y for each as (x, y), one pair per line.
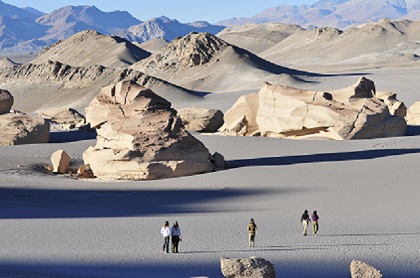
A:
(252, 267)
(201, 119)
(350, 113)
(17, 128)
(140, 137)
(360, 269)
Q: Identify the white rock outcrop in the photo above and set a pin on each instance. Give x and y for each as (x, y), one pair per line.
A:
(60, 161)
(413, 114)
(252, 267)
(140, 137)
(17, 128)
(201, 119)
(360, 269)
(350, 113)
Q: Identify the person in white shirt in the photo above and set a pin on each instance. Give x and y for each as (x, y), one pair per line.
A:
(166, 233)
(176, 236)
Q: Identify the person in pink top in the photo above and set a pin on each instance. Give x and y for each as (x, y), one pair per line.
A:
(315, 225)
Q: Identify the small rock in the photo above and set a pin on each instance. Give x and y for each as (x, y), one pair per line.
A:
(61, 162)
(360, 269)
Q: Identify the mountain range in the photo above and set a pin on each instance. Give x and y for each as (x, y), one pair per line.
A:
(334, 13)
(27, 30)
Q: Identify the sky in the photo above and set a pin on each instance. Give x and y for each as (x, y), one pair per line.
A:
(183, 10)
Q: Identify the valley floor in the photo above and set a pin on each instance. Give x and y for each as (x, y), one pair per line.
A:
(366, 193)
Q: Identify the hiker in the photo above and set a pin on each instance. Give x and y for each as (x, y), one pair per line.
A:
(166, 233)
(315, 226)
(252, 228)
(176, 236)
(305, 221)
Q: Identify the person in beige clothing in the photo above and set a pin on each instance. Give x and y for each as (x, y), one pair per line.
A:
(252, 228)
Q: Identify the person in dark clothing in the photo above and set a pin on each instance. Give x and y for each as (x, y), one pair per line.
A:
(252, 229)
(315, 226)
(305, 219)
(176, 236)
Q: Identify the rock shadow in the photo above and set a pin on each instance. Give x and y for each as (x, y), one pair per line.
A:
(322, 157)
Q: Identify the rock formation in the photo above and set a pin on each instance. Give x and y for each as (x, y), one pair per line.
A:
(19, 128)
(201, 119)
(360, 269)
(281, 111)
(413, 114)
(64, 119)
(60, 162)
(140, 137)
(252, 267)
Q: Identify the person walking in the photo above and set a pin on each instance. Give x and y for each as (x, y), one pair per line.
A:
(166, 233)
(176, 236)
(252, 229)
(315, 226)
(305, 221)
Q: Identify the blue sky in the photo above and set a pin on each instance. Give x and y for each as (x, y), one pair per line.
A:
(183, 10)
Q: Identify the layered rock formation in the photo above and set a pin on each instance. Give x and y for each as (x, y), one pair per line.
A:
(247, 267)
(140, 137)
(280, 111)
(19, 128)
(201, 119)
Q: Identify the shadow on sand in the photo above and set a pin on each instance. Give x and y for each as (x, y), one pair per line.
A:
(322, 157)
(19, 203)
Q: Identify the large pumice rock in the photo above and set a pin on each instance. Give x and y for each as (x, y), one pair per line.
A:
(360, 269)
(201, 119)
(6, 101)
(17, 128)
(350, 113)
(252, 267)
(140, 137)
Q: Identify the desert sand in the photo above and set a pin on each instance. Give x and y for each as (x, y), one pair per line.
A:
(365, 191)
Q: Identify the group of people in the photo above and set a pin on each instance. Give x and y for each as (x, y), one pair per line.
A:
(171, 233)
(306, 219)
(174, 233)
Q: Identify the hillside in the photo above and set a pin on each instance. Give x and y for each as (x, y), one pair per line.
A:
(375, 43)
(205, 62)
(89, 48)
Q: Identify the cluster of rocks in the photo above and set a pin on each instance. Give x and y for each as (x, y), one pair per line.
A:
(255, 267)
(61, 165)
(140, 137)
(19, 128)
(356, 112)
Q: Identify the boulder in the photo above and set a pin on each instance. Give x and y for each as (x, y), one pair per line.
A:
(201, 119)
(64, 119)
(61, 162)
(18, 129)
(140, 137)
(396, 107)
(360, 269)
(252, 267)
(413, 114)
(6, 101)
(287, 112)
